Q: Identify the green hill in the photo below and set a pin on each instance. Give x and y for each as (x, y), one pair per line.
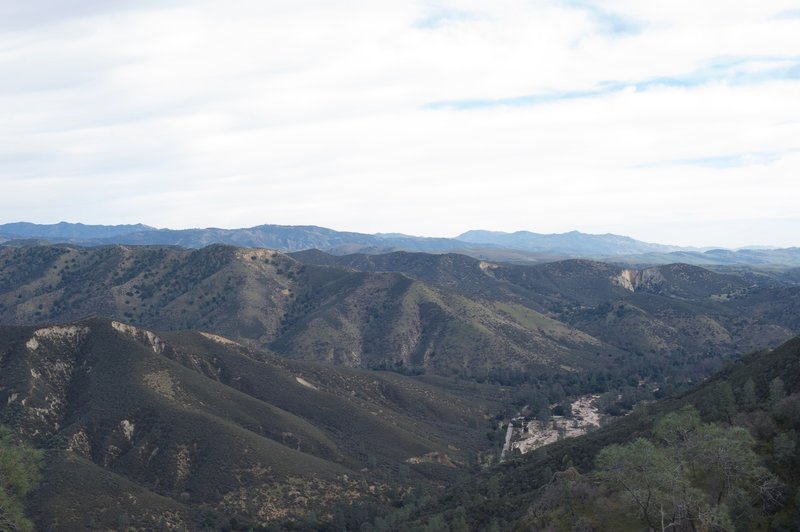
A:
(449, 315)
(672, 316)
(749, 417)
(360, 319)
(177, 423)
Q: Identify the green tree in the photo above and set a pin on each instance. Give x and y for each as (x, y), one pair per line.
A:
(676, 428)
(436, 524)
(650, 478)
(718, 403)
(723, 459)
(747, 396)
(19, 473)
(777, 390)
(459, 522)
(783, 447)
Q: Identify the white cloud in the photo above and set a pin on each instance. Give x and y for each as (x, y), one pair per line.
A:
(246, 112)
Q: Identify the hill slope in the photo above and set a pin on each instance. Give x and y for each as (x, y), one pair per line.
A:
(269, 299)
(557, 488)
(187, 420)
(676, 313)
(448, 314)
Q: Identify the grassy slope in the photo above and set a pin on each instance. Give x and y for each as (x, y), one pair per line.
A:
(205, 422)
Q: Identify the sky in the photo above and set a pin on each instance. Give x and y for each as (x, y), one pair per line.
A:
(669, 121)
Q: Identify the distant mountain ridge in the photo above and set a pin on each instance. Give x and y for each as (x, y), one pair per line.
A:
(571, 242)
(69, 230)
(521, 246)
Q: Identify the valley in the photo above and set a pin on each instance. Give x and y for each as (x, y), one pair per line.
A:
(235, 388)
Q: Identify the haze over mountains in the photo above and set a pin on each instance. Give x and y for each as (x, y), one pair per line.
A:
(521, 246)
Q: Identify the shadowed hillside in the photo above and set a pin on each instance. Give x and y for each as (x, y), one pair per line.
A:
(159, 424)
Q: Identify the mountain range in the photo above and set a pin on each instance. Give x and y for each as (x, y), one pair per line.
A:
(444, 314)
(521, 246)
(234, 388)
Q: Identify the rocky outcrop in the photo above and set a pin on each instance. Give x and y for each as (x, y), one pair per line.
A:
(649, 279)
(141, 335)
(51, 363)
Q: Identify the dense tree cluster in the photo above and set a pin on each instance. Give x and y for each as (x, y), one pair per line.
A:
(19, 474)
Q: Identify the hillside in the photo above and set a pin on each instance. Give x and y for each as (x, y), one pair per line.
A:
(266, 298)
(673, 314)
(260, 415)
(447, 314)
(159, 426)
(68, 231)
(750, 408)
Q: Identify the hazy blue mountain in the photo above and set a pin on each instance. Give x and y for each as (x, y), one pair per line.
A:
(753, 257)
(573, 242)
(519, 247)
(301, 237)
(66, 230)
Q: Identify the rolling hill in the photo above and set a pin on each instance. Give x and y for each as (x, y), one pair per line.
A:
(159, 426)
(268, 407)
(360, 319)
(446, 314)
(678, 313)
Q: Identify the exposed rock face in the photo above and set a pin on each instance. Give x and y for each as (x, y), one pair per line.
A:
(79, 443)
(649, 279)
(219, 339)
(146, 337)
(70, 335)
(52, 365)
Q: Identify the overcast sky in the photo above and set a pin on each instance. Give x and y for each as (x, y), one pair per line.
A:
(671, 121)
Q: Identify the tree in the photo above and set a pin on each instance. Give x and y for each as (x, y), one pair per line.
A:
(676, 428)
(649, 476)
(718, 403)
(777, 390)
(459, 522)
(698, 476)
(783, 447)
(747, 396)
(723, 459)
(19, 473)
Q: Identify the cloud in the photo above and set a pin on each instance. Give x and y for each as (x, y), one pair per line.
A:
(607, 22)
(788, 14)
(436, 16)
(24, 16)
(731, 71)
(724, 161)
